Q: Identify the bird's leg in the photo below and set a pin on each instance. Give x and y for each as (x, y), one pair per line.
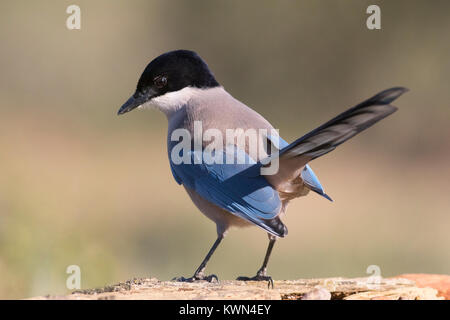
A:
(199, 273)
(261, 275)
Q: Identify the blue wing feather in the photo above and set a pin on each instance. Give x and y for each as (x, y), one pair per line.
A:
(311, 180)
(237, 188)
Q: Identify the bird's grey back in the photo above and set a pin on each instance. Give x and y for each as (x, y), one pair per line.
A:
(216, 109)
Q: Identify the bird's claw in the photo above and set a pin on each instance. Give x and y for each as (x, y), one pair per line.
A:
(198, 277)
(258, 277)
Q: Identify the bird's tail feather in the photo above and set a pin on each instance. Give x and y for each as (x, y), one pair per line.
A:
(328, 136)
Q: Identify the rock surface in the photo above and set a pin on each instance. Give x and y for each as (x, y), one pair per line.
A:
(304, 289)
(437, 281)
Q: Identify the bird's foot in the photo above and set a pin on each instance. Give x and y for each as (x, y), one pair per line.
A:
(260, 276)
(198, 277)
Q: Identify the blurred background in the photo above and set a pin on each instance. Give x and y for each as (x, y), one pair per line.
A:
(81, 186)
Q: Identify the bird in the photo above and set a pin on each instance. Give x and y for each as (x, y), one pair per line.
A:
(237, 192)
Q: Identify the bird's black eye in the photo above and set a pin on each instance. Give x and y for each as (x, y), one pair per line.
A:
(160, 81)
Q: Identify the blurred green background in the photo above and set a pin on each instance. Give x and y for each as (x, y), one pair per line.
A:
(79, 185)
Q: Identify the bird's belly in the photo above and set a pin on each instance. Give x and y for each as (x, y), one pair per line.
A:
(223, 219)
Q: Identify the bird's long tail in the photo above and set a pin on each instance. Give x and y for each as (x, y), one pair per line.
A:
(331, 134)
(328, 136)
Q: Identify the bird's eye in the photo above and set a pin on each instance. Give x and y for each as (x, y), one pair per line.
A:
(160, 81)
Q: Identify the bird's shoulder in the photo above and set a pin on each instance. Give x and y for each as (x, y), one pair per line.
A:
(219, 109)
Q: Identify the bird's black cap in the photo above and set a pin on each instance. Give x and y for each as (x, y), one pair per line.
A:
(171, 71)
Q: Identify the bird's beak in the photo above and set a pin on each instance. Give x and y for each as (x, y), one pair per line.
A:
(131, 104)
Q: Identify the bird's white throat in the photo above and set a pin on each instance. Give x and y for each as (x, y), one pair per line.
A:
(173, 101)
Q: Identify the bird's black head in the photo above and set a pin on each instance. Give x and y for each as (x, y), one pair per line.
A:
(171, 71)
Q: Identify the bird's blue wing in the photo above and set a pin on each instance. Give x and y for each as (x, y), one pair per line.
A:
(236, 187)
(311, 180)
